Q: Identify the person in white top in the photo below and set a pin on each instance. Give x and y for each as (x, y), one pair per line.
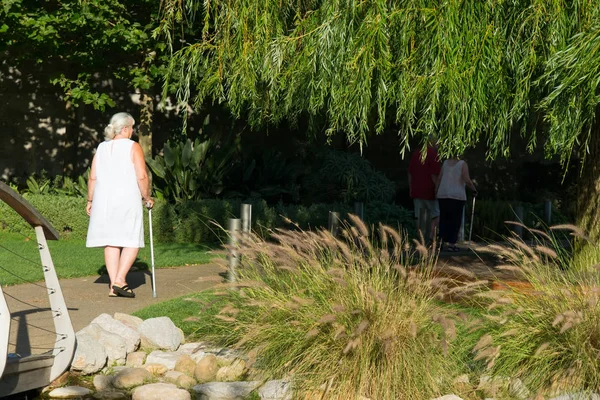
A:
(117, 186)
(452, 196)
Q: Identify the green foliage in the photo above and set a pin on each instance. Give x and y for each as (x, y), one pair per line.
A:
(547, 334)
(105, 40)
(310, 301)
(60, 185)
(191, 170)
(199, 222)
(491, 217)
(268, 175)
(466, 71)
(343, 176)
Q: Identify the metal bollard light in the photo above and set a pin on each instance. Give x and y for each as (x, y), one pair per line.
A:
(234, 227)
(334, 223)
(359, 210)
(246, 213)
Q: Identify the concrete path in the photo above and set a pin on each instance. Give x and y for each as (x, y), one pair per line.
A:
(87, 297)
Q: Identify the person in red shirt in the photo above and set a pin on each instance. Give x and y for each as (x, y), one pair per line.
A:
(422, 178)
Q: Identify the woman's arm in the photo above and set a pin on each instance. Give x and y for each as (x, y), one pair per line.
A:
(142, 176)
(91, 187)
(467, 178)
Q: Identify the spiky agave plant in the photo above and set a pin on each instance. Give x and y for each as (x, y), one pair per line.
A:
(345, 316)
(547, 335)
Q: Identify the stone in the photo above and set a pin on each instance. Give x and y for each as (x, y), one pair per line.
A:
(69, 392)
(161, 333)
(186, 382)
(131, 377)
(129, 320)
(226, 356)
(449, 397)
(135, 359)
(114, 345)
(156, 369)
(169, 359)
(185, 364)
(577, 396)
(61, 380)
(276, 390)
(130, 335)
(233, 372)
(172, 376)
(224, 390)
(517, 389)
(110, 395)
(160, 391)
(103, 382)
(206, 369)
(90, 356)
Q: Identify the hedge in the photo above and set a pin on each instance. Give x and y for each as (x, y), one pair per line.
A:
(201, 221)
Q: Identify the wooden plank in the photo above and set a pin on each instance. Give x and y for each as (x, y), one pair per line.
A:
(25, 374)
(64, 348)
(4, 331)
(26, 210)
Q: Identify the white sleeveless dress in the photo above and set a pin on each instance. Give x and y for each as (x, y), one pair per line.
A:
(117, 217)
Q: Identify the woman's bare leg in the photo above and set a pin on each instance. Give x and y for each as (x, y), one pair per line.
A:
(128, 256)
(111, 259)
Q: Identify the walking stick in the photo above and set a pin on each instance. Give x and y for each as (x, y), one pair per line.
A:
(472, 215)
(151, 251)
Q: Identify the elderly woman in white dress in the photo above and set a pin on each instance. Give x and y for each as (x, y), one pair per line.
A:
(117, 186)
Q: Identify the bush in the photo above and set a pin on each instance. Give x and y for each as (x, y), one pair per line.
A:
(201, 221)
(491, 215)
(341, 314)
(547, 335)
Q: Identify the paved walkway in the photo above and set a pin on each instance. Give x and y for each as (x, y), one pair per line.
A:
(87, 297)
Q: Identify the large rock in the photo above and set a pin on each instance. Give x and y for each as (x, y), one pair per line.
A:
(224, 390)
(103, 382)
(132, 336)
(276, 390)
(206, 369)
(185, 364)
(131, 377)
(166, 358)
(161, 333)
(90, 356)
(160, 391)
(156, 369)
(69, 392)
(110, 395)
(114, 345)
(233, 372)
(129, 320)
(135, 359)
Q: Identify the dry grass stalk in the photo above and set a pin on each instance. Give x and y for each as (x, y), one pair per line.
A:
(359, 224)
(525, 248)
(575, 230)
(546, 251)
(463, 271)
(483, 342)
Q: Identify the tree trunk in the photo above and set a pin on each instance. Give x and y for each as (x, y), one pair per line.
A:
(588, 188)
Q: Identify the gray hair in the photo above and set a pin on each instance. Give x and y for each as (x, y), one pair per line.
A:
(117, 123)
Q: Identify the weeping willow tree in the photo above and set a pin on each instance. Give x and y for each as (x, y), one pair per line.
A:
(468, 71)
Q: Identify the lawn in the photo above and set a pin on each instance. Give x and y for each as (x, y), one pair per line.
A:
(20, 260)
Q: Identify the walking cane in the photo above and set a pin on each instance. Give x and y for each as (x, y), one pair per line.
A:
(151, 251)
(472, 215)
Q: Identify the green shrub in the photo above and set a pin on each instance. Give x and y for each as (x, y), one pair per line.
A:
(491, 216)
(547, 335)
(341, 314)
(201, 221)
(340, 176)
